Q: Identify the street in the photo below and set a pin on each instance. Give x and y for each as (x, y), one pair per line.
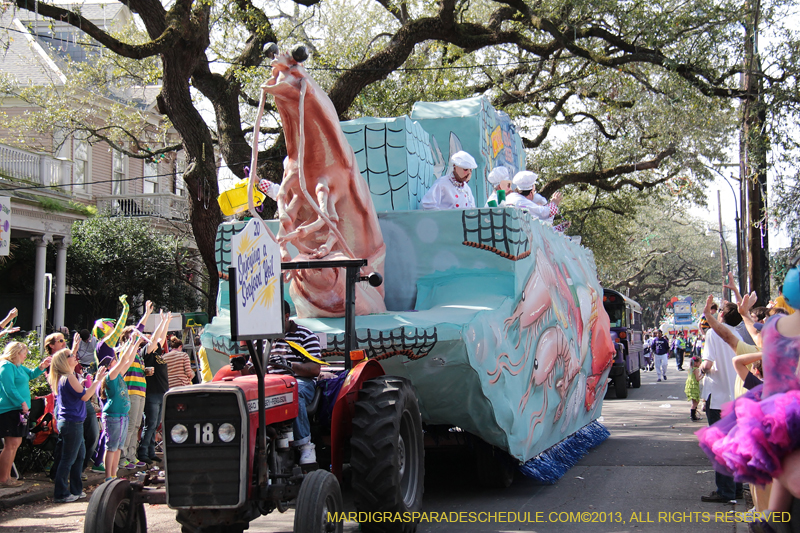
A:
(648, 476)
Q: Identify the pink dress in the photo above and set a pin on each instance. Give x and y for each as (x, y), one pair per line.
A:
(760, 428)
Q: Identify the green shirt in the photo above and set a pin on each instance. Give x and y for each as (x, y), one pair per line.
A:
(15, 386)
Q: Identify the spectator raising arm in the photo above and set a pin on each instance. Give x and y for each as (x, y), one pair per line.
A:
(9, 317)
(744, 306)
(740, 363)
(719, 328)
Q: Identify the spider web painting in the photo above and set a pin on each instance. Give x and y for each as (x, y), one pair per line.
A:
(498, 230)
(394, 157)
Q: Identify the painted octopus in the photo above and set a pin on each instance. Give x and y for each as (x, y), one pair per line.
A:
(324, 204)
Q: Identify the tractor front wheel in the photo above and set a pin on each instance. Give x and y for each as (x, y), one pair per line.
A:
(319, 504)
(387, 452)
(110, 510)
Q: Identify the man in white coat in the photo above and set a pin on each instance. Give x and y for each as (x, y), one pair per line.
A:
(525, 197)
(452, 191)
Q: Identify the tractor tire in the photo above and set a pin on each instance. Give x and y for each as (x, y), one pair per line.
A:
(387, 452)
(621, 386)
(319, 498)
(636, 379)
(109, 509)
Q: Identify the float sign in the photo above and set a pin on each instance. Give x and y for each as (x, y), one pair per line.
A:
(683, 312)
(255, 284)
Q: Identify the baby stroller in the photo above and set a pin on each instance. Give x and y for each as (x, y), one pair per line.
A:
(37, 448)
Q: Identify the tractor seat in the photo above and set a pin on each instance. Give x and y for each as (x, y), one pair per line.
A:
(312, 407)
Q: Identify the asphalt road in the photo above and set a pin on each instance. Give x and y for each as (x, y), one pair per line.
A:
(648, 476)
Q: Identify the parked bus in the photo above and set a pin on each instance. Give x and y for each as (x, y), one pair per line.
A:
(627, 333)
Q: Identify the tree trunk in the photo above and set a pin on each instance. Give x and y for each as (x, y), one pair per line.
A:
(200, 176)
(756, 145)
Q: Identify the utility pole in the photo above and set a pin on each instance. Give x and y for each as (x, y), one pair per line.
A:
(726, 293)
(754, 166)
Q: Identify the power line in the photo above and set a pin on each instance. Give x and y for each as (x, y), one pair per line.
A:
(171, 175)
(318, 68)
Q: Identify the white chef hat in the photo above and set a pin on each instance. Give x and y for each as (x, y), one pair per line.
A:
(463, 159)
(525, 180)
(497, 175)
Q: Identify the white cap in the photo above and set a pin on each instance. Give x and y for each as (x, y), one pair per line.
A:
(497, 175)
(463, 159)
(525, 180)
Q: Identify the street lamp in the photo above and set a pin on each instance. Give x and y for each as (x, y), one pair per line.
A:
(738, 238)
(739, 229)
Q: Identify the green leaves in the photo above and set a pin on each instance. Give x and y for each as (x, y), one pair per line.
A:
(114, 256)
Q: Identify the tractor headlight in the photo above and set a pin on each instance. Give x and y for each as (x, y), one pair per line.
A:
(179, 433)
(226, 432)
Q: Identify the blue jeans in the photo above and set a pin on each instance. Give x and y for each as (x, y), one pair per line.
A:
(152, 417)
(91, 433)
(302, 428)
(68, 476)
(726, 486)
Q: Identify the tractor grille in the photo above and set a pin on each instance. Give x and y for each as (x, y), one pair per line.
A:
(204, 471)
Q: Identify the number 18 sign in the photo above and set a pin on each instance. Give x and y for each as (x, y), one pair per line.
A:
(256, 287)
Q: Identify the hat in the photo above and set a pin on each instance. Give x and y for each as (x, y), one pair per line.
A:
(525, 180)
(497, 175)
(463, 159)
(704, 324)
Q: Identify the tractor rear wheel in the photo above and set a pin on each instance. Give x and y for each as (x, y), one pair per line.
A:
(387, 452)
(320, 498)
(110, 510)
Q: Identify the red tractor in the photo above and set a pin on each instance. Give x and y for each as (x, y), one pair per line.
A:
(227, 458)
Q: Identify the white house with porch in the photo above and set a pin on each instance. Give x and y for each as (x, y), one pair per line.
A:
(38, 172)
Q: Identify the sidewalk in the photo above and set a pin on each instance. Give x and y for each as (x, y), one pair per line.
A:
(38, 487)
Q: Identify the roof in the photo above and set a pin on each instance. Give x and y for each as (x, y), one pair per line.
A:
(29, 59)
(23, 58)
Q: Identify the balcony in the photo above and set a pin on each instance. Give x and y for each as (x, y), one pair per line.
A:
(159, 205)
(40, 169)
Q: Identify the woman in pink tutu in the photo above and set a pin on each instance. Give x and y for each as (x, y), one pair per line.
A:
(758, 438)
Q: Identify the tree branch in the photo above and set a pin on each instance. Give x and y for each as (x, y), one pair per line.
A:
(599, 178)
(168, 38)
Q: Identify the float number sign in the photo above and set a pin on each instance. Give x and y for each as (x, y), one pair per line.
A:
(256, 288)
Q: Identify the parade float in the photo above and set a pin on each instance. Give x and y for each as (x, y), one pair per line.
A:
(495, 318)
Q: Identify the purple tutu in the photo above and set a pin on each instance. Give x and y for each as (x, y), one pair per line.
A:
(754, 436)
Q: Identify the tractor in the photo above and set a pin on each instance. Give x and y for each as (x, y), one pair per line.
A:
(228, 459)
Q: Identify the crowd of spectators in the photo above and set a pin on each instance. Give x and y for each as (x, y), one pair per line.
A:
(113, 370)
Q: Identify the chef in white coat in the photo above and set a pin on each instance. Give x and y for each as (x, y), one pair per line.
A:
(452, 191)
(525, 197)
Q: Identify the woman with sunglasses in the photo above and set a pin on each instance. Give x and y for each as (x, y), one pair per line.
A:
(15, 400)
(71, 396)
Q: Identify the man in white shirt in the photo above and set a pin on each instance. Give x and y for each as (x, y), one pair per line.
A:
(452, 191)
(525, 197)
(719, 388)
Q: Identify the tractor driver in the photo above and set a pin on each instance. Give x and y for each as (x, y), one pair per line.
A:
(298, 349)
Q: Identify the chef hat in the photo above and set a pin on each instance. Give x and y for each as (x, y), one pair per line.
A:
(463, 159)
(497, 175)
(525, 180)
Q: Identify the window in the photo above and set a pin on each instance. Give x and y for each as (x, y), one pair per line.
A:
(180, 168)
(118, 165)
(150, 173)
(81, 175)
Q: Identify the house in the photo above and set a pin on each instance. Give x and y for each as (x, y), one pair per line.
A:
(54, 178)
